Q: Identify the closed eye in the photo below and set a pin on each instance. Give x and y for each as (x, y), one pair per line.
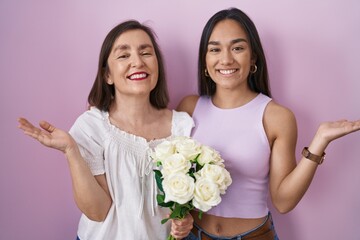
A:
(214, 50)
(237, 49)
(123, 56)
(146, 54)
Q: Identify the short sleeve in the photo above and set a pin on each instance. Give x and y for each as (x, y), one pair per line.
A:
(87, 132)
(182, 124)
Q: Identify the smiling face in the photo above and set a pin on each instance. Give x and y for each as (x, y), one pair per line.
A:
(133, 66)
(228, 56)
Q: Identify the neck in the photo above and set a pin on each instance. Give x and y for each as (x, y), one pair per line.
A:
(132, 109)
(232, 99)
(138, 117)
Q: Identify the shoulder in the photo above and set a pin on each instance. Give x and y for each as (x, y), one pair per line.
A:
(182, 123)
(187, 104)
(91, 120)
(274, 108)
(182, 117)
(279, 120)
(93, 115)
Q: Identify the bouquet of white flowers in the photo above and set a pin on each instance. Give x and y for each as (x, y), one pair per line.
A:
(189, 175)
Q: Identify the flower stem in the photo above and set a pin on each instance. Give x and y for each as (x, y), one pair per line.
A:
(170, 237)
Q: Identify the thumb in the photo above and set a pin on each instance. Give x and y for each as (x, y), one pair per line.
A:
(47, 126)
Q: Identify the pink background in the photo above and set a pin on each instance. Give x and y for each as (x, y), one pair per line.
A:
(48, 59)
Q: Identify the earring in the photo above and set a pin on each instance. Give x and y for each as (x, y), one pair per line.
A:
(206, 73)
(254, 69)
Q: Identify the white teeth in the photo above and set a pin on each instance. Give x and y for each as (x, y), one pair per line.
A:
(228, 71)
(138, 76)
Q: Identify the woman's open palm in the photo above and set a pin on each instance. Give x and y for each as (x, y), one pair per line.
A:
(48, 135)
(333, 130)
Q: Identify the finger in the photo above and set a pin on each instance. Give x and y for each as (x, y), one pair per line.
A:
(342, 120)
(33, 132)
(180, 235)
(187, 221)
(22, 120)
(25, 124)
(47, 126)
(28, 128)
(181, 224)
(184, 231)
(355, 126)
(181, 232)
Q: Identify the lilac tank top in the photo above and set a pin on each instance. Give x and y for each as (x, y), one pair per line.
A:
(239, 135)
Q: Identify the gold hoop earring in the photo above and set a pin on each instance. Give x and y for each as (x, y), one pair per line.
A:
(254, 69)
(206, 73)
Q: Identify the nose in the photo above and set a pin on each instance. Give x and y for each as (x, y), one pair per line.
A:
(226, 58)
(136, 60)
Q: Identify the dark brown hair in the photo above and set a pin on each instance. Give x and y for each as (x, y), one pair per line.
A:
(258, 81)
(102, 94)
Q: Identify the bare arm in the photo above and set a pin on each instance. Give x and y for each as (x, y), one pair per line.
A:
(289, 181)
(91, 193)
(188, 104)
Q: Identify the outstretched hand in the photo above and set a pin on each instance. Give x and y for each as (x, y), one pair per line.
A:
(333, 130)
(48, 135)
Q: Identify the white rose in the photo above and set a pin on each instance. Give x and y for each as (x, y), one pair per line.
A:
(178, 187)
(217, 174)
(209, 155)
(206, 194)
(176, 139)
(227, 181)
(163, 151)
(187, 147)
(175, 163)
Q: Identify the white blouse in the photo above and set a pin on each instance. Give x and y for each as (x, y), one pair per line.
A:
(124, 158)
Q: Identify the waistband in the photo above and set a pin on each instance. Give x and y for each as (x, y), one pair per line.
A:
(264, 231)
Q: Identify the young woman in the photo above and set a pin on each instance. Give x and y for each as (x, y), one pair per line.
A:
(108, 146)
(255, 135)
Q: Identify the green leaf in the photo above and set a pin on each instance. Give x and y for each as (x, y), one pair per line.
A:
(180, 211)
(166, 204)
(160, 198)
(159, 179)
(198, 167)
(184, 211)
(189, 206)
(170, 237)
(176, 213)
(164, 220)
(200, 214)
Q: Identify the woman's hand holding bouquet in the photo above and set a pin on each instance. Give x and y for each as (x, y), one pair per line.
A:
(189, 175)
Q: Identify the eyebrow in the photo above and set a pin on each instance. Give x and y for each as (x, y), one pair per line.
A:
(146, 45)
(123, 47)
(237, 40)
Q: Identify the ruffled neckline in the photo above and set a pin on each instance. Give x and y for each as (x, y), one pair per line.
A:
(136, 138)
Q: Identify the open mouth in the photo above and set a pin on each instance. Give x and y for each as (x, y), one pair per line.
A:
(138, 76)
(227, 71)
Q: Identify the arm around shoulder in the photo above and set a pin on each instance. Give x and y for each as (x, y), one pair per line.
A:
(187, 104)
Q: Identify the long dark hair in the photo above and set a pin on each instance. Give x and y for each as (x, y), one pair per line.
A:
(102, 94)
(258, 81)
